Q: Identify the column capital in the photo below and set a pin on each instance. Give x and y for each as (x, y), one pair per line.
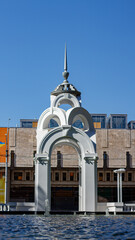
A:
(90, 157)
(42, 158)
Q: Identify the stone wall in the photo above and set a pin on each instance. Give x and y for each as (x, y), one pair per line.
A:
(115, 142)
(23, 142)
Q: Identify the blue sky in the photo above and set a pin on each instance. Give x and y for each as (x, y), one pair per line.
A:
(100, 37)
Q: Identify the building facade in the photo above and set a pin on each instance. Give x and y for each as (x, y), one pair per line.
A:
(115, 149)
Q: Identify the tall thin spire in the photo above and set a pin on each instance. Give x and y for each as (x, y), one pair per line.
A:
(65, 73)
(65, 60)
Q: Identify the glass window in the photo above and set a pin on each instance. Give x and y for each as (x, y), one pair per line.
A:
(27, 176)
(99, 121)
(12, 158)
(71, 176)
(128, 159)
(133, 125)
(118, 122)
(58, 159)
(64, 176)
(107, 176)
(18, 176)
(56, 176)
(115, 177)
(105, 160)
(129, 177)
(100, 176)
(27, 124)
(123, 176)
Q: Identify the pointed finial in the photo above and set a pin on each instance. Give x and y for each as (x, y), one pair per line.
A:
(65, 60)
(65, 73)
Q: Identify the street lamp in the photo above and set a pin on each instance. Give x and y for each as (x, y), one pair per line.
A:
(119, 183)
(6, 167)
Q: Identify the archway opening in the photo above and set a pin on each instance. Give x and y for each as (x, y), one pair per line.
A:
(64, 178)
(65, 106)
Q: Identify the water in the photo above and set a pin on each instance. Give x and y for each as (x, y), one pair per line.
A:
(67, 227)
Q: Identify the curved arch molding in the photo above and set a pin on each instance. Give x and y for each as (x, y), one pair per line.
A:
(88, 180)
(65, 98)
(84, 142)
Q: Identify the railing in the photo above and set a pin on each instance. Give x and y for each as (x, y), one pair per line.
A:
(129, 207)
(4, 207)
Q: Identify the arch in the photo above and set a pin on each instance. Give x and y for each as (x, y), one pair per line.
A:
(71, 142)
(65, 98)
(59, 115)
(68, 132)
(87, 165)
(83, 115)
(65, 162)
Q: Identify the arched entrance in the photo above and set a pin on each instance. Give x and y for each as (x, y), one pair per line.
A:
(64, 177)
(87, 163)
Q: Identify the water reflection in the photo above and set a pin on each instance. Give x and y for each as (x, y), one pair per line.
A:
(67, 227)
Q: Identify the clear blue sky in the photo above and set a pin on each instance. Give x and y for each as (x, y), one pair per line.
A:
(100, 37)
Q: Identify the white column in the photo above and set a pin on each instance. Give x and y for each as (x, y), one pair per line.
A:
(120, 187)
(119, 183)
(42, 186)
(90, 185)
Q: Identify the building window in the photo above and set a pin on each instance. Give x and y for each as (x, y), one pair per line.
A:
(105, 160)
(99, 121)
(71, 176)
(128, 159)
(26, 124)
(56, 176)
(18, 176)
(107, 176)
(119, 122)
(27, 176)
(129, 177)
(100, 176)
(58, 159)
(64, 176)
(12, 158)
(115, 177)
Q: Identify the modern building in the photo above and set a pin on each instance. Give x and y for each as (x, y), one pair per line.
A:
(115, 149)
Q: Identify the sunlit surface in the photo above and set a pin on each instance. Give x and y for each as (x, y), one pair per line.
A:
(67, 227)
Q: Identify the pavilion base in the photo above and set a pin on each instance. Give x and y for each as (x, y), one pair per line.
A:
(115, 206)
